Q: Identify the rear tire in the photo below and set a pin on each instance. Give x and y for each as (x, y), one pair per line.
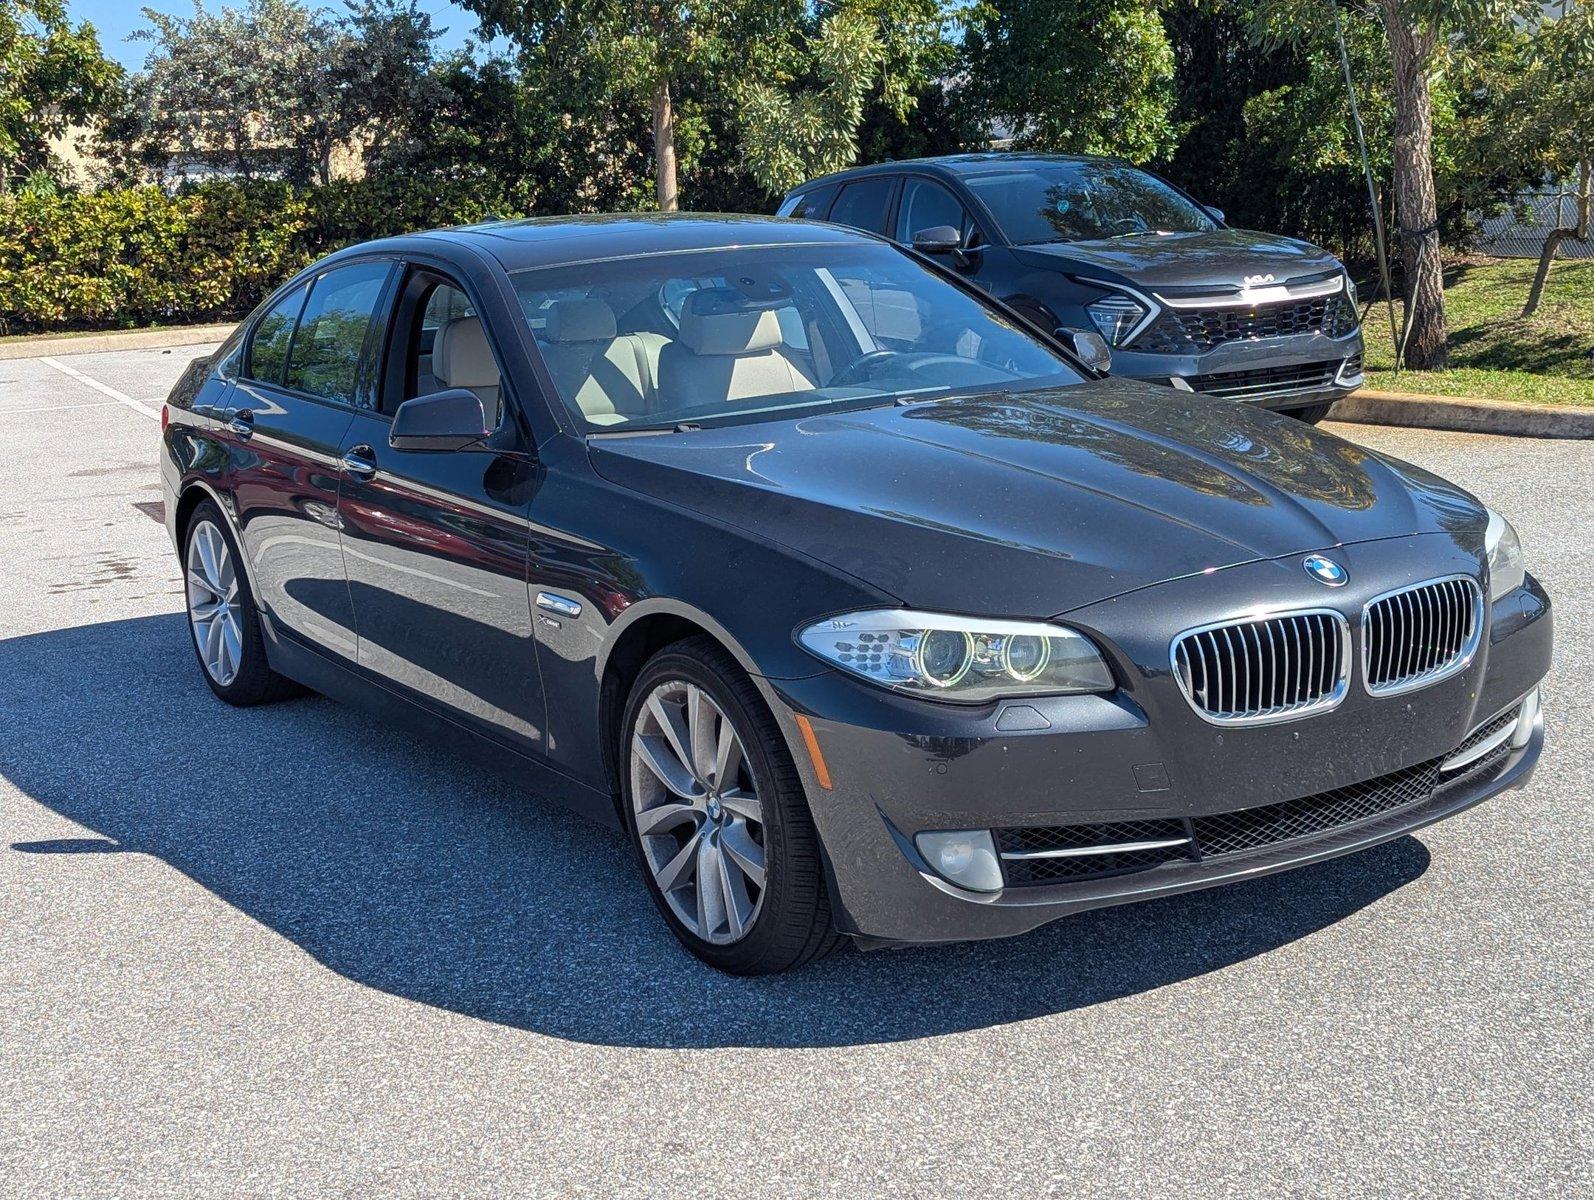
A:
(1310, 413)
(731, 810)
(223, 623)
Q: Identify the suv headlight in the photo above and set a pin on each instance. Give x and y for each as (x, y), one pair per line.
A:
(967, 660)
(1117, 316)
(1507, 568)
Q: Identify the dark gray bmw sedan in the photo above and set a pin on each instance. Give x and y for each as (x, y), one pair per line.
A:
(865, 609)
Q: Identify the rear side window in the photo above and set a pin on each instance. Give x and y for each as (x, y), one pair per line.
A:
(812, 204)
(862, 205)
(325, 358)
(268, 346)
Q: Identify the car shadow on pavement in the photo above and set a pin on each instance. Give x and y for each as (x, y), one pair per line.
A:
(405, 869)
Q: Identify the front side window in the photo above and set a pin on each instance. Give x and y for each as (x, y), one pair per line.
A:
(268, 346)
(926, 204)
(1084, 202)
(763, 332)
(325, 359)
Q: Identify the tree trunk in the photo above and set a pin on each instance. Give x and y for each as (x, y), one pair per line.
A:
(1417, 209)
(1582, 200)
(1536, 293)
(664, 148)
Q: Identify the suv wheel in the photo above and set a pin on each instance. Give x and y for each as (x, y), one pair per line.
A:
(718, 817)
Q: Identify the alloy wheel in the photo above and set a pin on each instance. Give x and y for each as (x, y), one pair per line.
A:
(698, 816)
(213, 603)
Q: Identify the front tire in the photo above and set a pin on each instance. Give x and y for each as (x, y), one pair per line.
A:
(718, 818)
(222, 620)
(1310, 413)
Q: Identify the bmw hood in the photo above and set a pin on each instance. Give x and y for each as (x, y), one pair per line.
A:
(1033, 504)
(1217, 258)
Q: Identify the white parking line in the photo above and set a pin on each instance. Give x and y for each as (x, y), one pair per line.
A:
(11, 412)
(103, 389)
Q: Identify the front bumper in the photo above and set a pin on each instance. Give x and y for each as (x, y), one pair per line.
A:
(899, 766)
(1277, 372)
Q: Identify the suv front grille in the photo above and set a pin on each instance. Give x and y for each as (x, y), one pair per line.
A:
(1267, 382)
(1196, 330)
(1114, 850)
(1268, 669)
(1419, 635)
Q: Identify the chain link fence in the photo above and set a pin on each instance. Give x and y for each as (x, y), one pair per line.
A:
(1520, 230)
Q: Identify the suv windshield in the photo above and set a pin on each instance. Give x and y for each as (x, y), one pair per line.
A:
(1081, 202)
(760, 332)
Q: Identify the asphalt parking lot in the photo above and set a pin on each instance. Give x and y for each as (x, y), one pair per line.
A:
(281, 952)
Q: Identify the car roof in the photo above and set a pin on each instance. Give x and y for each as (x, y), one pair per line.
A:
(555, 241)
(987, 162)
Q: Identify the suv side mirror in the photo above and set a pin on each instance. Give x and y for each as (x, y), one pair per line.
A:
(1215, 213)
(938, 239)
(1088, 346)
(448, 420)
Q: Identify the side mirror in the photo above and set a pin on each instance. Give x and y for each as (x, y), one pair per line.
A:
(938, 239)
(448, 420)
(1089, 347)
(1215, 213)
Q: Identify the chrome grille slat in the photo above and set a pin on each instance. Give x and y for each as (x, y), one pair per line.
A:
(1271, 667)
(1418, 635)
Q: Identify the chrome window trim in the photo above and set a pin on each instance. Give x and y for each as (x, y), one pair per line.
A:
(1326, 703)
(1427, 679)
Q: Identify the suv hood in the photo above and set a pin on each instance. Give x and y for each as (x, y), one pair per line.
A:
(1034, 504)
(1219, 257)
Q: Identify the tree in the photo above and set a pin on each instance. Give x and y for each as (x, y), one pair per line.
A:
(279, 85)
(796, 80)
(1095, 77)
(52, 75)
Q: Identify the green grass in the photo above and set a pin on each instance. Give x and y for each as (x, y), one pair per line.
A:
(1494, 353)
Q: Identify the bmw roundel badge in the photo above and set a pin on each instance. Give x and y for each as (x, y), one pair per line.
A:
(1325, 570)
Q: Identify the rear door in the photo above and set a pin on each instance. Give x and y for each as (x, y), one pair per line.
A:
(435, 542)
(287, 416)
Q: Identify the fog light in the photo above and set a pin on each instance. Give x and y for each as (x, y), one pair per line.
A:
(1527, 717)
(966, 857)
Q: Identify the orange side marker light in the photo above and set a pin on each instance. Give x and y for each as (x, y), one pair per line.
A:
(815, 754)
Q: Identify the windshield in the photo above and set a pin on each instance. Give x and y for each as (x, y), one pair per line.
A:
(762, 332)
(1081, 202)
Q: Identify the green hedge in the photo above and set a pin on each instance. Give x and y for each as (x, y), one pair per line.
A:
(140, 256)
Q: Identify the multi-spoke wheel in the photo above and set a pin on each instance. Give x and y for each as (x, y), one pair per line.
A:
(221, 615)
(718, 816)
(213, 603)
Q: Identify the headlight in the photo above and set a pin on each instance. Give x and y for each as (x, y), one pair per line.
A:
(1116, 316)
(967, 660)
(1507, 569)
(1350, 292)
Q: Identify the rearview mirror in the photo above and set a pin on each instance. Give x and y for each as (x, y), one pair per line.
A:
(938, 239)
(1215, 213)
(448, 420)
(1089, 347)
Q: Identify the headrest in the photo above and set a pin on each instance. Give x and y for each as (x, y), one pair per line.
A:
(579, 321)
(716, 321)
(461, 357)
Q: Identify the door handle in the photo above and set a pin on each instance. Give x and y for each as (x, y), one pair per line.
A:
(242, 424)
(359, 461)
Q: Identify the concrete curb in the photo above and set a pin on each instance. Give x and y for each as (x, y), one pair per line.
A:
(126, 339)
(1464, 414)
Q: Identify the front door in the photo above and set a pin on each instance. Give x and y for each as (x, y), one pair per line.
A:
(435, 542)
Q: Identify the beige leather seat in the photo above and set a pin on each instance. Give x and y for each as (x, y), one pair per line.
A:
(727, 353)
(461, 358)
(610, 377)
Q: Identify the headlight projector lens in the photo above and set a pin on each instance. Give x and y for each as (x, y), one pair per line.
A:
(944, 656)
(1024, 657)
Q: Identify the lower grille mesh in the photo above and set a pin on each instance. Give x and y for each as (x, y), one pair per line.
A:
(1235, 832)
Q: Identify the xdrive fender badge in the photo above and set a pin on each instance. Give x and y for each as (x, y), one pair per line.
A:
(1325, 570)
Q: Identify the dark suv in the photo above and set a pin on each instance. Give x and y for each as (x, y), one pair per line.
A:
(1096, 245)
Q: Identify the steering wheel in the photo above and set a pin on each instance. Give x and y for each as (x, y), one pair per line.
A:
(860, 369)
(1124, 226)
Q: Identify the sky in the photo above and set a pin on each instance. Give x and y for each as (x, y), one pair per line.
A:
(115, 19)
